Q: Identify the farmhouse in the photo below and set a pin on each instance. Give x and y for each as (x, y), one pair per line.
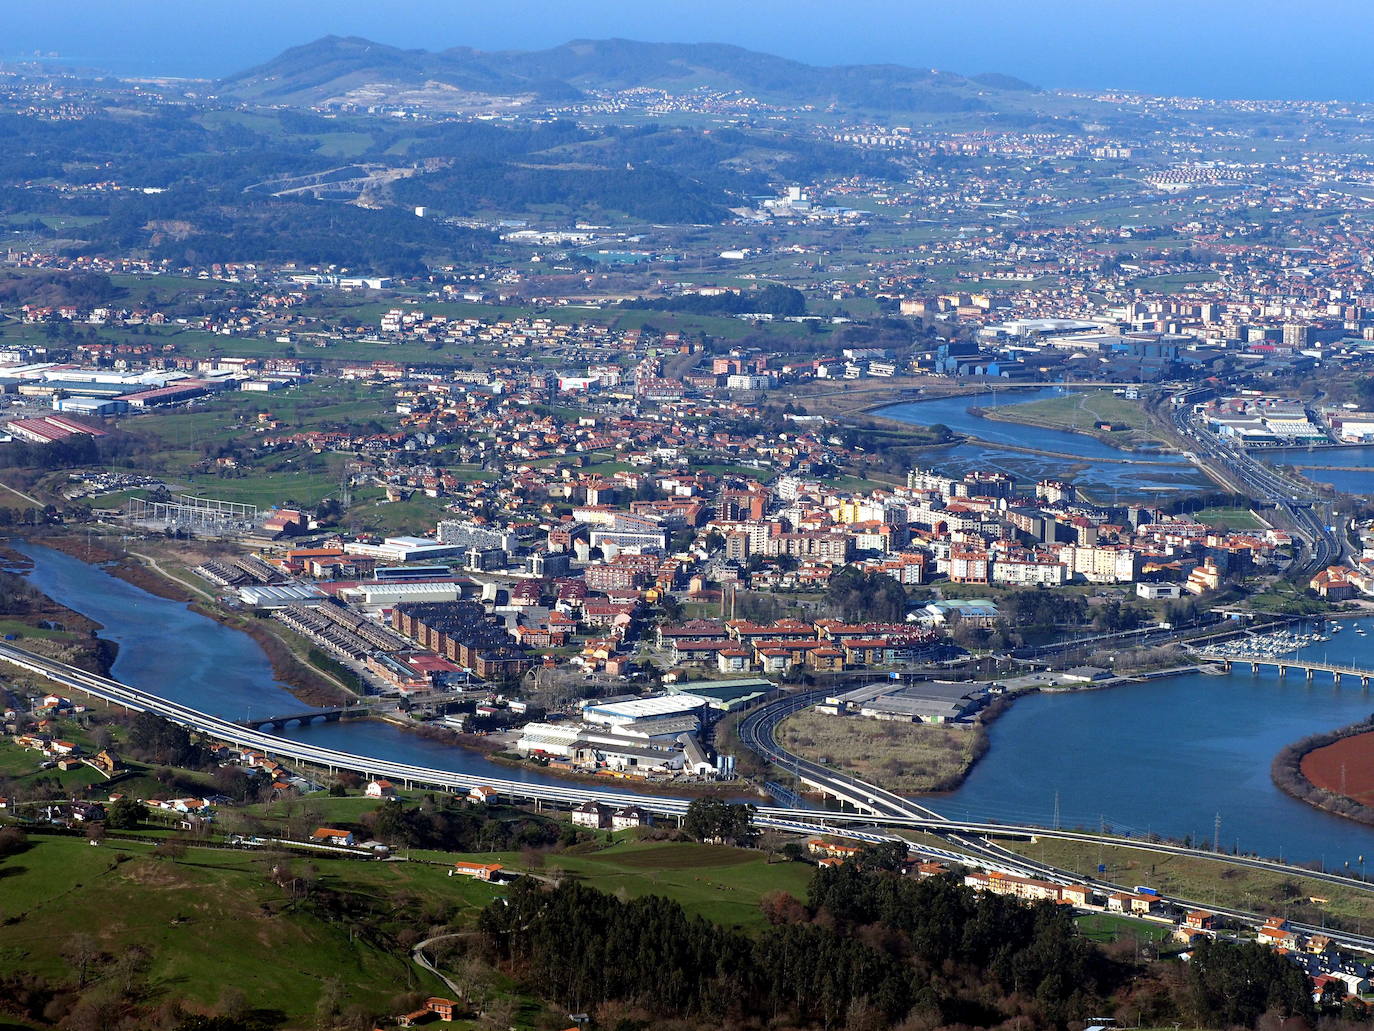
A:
(480, 871)
(592, 814)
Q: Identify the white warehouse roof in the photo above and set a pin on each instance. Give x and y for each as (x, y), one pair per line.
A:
(641, 708)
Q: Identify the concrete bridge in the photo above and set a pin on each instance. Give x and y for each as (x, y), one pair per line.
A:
(1284, 665)
(302, 719)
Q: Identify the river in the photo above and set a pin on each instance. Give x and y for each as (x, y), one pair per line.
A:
(1168, 756)
(1348, 469)
(170, 650)
(1165, 756)
(1098, 466)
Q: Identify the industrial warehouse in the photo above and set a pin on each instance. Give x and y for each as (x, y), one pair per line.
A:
(648, 737)
(932, 701)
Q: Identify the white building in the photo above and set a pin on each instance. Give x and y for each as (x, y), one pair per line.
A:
(1155, 592)
(641, 709)
(386, 595)
(404, 549)
(1019, 571)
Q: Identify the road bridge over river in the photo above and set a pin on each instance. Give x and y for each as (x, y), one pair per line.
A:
(1227, 660)
(302, 719)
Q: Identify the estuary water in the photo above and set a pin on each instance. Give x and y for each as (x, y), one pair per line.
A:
(1102, 469)
(1170, 756)
(1348, 469)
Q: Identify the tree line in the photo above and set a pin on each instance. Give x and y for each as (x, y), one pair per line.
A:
(870, 948)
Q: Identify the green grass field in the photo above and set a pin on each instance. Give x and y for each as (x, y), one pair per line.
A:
(1080, 411)
(1173, 282)
(1285, 598)
(416, 514)
(856, 483)
(137, 781)
(320, 405)
(1234, 518)
(166, 287)
(266, 490)
(21, 629)
(1105, 928)
(16, 761)
(117, 498)
(214, 918)
(717, 882)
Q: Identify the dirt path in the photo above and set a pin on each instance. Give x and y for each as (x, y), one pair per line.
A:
(19, 493)
(170, 576)
(425, 963)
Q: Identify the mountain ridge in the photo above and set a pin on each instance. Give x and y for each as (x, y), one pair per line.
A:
(332, 67)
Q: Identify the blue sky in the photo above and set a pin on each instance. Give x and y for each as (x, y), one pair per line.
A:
(1218, 48)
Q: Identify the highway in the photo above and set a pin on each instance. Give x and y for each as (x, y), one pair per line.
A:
(806, 821)
(970, 847)
(884, 808)
(756, 732)
(1235, 468)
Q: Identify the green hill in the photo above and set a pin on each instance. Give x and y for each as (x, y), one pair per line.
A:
(333, 66)
(147, 929)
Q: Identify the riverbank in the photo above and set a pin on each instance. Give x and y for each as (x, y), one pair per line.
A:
(95, 551)
(46, 627)
(889, 402)
(995, 415)
(1332, 771)
(304, 681)
(301, 679)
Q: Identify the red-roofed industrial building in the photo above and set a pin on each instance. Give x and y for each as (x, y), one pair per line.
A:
(47, 429)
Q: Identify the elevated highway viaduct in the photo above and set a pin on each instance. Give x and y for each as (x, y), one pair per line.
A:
(881, 814)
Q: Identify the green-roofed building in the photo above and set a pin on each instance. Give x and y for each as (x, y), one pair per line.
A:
(727, 695)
